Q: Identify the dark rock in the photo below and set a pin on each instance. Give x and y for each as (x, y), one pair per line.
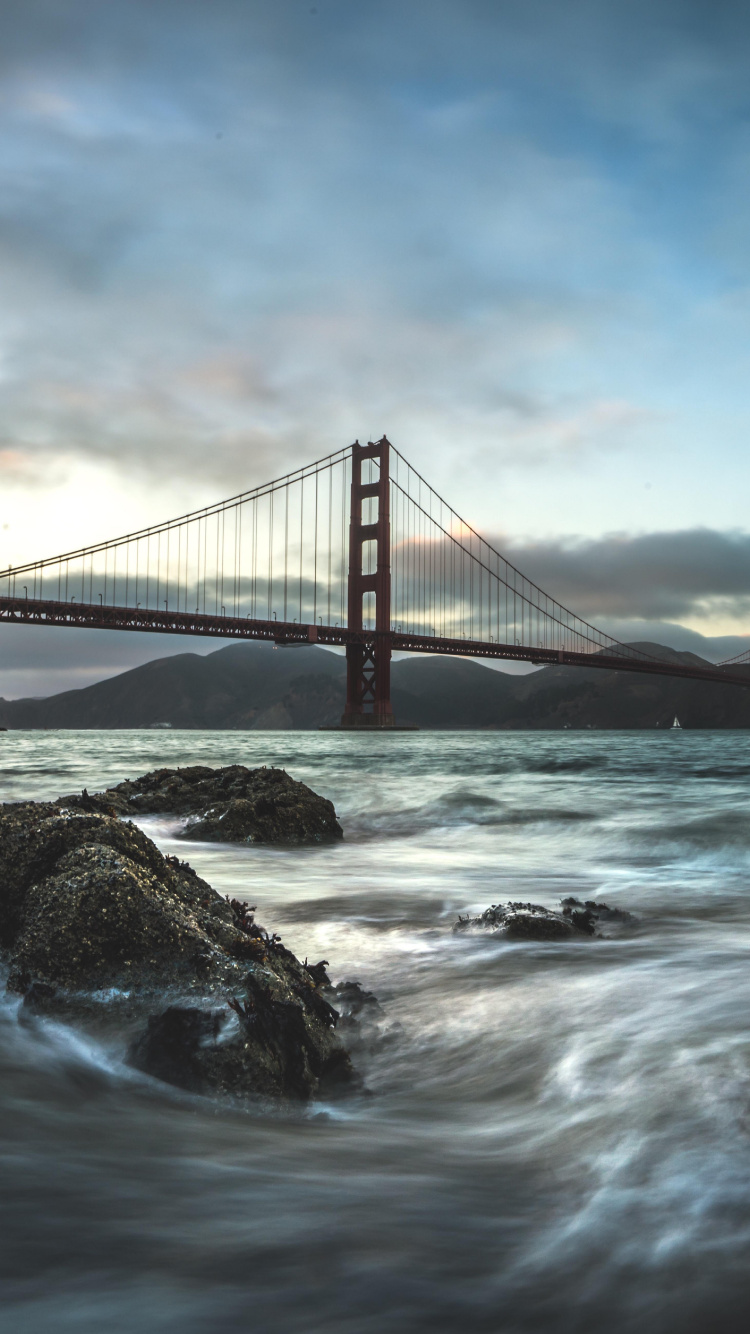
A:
(230, 805)
(94, 805)
(35, 835)
(530, 921)
(363, 1024)
(101, 920)
(519, 921)
(354, 1004)
(38, 997)
(91, 914)
(170, 1047)
(266, 1048)
(595, 912)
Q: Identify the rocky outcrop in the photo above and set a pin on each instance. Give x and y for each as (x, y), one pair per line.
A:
(230, 805)
(91, 912)
(531, 921)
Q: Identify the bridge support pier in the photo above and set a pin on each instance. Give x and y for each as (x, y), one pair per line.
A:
(368, 661)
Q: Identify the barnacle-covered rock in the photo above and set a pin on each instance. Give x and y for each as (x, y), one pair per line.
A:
(229, 805)
(90, 910)
(101, 920)
(34, 836)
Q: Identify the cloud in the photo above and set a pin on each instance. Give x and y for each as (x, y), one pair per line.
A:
(661, 577)
(236, 236)
(387, 231)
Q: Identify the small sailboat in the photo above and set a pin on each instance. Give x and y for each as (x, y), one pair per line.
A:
(676, 723)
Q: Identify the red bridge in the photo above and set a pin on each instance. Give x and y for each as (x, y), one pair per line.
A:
(355, 550)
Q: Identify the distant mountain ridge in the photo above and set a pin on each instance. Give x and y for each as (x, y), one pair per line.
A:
(254, 686)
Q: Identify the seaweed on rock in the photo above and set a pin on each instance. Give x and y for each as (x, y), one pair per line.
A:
(532, 921)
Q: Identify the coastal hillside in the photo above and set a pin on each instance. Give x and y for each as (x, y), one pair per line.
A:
(589, 697)
(242, 686)
(254, 686)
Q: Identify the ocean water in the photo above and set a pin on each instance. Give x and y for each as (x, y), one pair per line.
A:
(558, 1135)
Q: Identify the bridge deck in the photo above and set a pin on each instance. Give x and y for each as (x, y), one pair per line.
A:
(30, 611)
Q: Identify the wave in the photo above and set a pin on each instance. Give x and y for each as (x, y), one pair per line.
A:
(557, 1138)
(720, 829)
(454, 810)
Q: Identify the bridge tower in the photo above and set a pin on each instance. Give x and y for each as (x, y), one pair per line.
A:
(368, 661)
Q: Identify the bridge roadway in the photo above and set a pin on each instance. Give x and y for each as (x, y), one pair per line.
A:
(93, 616)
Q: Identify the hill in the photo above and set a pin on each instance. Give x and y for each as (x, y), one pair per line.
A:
(589, 697)
(249, 685)
(258, 687)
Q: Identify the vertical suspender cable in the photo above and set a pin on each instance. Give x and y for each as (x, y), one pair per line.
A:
(286, 544)
(300, 539)
(315, 557)
(330, 542)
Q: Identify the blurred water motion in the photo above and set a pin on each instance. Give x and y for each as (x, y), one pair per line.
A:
(558, 1137)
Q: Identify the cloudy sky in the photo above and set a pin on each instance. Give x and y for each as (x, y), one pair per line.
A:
(515, 236)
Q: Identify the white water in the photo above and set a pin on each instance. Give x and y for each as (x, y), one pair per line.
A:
(559, 1134)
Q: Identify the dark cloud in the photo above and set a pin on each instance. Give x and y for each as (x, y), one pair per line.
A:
(653, 577)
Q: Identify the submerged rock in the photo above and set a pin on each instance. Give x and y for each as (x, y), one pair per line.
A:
(90, 910)
(531, 921)
(230, 805)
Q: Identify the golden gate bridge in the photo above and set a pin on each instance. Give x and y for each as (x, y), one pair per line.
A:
(356, 551)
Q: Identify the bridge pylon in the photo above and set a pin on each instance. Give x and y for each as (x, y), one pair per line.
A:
(368, 659)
